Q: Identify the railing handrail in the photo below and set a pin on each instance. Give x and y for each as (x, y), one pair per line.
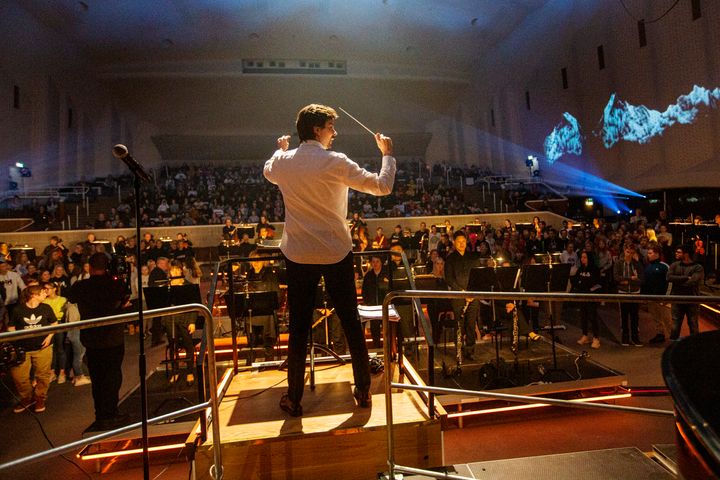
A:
(44, 192)
(492, 296)
(124, 318)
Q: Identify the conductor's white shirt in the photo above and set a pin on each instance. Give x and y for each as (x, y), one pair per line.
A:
(314, 183)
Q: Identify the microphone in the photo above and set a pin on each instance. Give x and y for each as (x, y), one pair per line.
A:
(121, 152)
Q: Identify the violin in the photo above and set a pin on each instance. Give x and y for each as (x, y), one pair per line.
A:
(699, 246)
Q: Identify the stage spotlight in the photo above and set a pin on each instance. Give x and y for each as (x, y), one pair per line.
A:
(19, 165)
(617, 211)
(533, 166)
(589, 202)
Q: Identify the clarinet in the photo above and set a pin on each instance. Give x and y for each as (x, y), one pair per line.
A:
(516, 332)
(458, 339)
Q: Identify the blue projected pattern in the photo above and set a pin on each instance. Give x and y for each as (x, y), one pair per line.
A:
(623, 121)
(565, 138)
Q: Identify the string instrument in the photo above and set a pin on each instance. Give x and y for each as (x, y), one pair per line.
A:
(699, 246)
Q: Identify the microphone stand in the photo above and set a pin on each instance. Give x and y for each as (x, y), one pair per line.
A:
(141, 357)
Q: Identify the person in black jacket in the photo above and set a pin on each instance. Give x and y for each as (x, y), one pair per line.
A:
(627, 274)
(158, 278)
(374, 288)
(99, 296)
(587, 280)
(457, 274)
(686, 276)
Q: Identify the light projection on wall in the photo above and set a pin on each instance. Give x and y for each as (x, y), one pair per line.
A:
(565, 138)
(623, 121)
(631, 123)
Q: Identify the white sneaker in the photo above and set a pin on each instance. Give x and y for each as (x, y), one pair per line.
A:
(584, 340)
(81, 380)
(61, 378)
(595, 343)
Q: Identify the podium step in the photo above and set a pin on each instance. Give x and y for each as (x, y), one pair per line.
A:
(616, 463)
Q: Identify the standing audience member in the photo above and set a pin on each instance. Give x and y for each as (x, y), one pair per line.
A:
(30, 313)
(655, 283)
(13, 285)
(57, 303)
(101, 296)
(628, 277)
(686, 276)
(587, 280)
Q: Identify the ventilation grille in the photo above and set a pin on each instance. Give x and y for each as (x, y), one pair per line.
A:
(294, 67)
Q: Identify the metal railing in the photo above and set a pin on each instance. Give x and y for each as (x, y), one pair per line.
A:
(216, 470)
(492, 296)
(56, 192)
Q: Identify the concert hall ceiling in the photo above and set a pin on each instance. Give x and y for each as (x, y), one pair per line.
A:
(179, 63)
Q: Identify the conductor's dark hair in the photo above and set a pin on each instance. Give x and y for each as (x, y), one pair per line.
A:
(313, 115)
(98, 261)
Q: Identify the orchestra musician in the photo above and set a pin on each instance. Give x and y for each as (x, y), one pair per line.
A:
(265, 224)
(229, 231)
(262, 277)
(457, 274)
(180, 327)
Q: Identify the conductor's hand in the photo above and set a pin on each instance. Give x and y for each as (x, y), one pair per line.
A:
(283, 142)
(384, 144)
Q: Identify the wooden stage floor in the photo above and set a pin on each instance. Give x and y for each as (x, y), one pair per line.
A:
(333, 439)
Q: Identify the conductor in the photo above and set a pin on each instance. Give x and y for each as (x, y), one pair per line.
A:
(316, 241)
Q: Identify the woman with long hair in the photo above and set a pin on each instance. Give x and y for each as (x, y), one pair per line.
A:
(587, 280)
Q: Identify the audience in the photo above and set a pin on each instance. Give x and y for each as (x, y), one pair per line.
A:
(205, 195)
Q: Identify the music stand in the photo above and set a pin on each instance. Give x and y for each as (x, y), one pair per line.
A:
(243, 229)
(493, 279)
(259, 303)
(166, 296)
(399, 280)
(321, 302)
(548, 278)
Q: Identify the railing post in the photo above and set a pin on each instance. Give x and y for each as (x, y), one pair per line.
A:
(387, 353)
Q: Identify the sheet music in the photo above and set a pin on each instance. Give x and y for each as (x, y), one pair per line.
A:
(374, 312)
